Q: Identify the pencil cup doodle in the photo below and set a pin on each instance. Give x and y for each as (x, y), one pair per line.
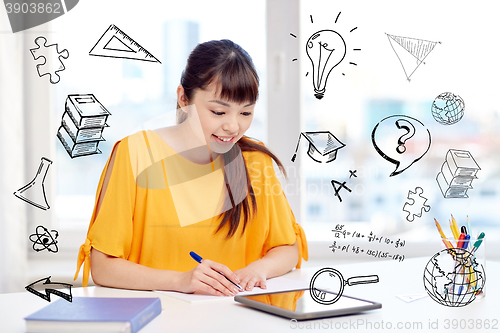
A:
(453, 277)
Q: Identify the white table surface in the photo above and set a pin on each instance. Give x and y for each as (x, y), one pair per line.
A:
(225, 315)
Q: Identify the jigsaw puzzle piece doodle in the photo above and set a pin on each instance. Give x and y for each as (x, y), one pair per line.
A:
(52, 59)
(415, 204)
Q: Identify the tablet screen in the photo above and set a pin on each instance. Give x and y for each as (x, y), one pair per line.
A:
(303, 305)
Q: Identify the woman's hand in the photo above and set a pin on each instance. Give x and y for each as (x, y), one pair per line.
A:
(205, 278)
(278, 261)
(253, 275)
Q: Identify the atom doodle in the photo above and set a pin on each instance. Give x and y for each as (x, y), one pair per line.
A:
(43, 240)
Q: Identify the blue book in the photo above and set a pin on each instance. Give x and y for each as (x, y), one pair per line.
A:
(94, 314)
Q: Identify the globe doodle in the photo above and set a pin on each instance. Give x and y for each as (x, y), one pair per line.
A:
(448, 108)
(452, 277)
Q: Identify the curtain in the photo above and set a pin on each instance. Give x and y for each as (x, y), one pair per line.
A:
(13, 212)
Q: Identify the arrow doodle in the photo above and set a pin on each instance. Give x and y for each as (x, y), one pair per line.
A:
(49, 288)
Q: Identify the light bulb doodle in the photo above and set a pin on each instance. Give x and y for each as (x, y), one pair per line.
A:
(326, 50)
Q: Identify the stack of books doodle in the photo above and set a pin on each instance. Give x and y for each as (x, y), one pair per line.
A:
(82, 124)
(457, 173)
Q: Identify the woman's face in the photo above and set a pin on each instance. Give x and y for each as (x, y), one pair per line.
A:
(222, 122)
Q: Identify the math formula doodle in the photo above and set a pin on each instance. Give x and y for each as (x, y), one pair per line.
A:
(371, 238)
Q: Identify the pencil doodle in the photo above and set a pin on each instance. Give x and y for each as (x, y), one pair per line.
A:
(114, 43)
(453, 278)
(457, 173)
(392, 146)
(323, 146)
(332, 280)
(326, 49)
(82, 124)
(49, 287)
(415, 205)
(34, 192)
(52, 59)
(43, 240)
(411, 52)
(448, 108)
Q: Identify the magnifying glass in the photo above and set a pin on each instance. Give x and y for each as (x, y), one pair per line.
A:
(327, 280)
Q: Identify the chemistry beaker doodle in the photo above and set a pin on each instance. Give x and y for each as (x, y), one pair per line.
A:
(34, 192)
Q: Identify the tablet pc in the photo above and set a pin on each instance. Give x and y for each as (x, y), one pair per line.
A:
(298, 304)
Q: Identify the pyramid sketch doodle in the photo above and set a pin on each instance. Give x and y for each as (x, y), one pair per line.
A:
(411, 52)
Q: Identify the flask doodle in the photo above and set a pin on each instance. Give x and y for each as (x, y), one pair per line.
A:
(392, 146)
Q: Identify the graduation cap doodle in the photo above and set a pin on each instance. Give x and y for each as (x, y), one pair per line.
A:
(323, 146)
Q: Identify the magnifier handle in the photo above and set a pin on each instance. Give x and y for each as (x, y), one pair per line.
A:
(362, 280)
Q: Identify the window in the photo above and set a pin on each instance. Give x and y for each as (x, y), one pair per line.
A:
(368, 85)
(139, 94)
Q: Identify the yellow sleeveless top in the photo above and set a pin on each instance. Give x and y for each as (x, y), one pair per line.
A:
(159, 206)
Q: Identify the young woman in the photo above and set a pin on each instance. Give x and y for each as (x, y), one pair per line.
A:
(200, 186)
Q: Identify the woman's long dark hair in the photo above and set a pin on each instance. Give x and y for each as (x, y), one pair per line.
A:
(231, 68)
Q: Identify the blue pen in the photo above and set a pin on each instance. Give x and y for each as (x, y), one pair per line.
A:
(469, 230)
(199, 259)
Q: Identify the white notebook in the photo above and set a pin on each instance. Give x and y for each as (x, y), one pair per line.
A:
(273, 285)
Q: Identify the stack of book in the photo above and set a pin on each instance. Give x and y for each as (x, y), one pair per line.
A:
(82, 124)
(457, 173)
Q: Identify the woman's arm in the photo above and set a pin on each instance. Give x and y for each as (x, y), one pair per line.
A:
(278, 261)
(115, 272)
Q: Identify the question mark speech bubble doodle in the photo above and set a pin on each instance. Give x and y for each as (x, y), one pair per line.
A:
(410, 132)
(392, 136)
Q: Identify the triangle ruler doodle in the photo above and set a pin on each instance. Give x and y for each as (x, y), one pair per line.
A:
(411, 52)
(114, 43)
